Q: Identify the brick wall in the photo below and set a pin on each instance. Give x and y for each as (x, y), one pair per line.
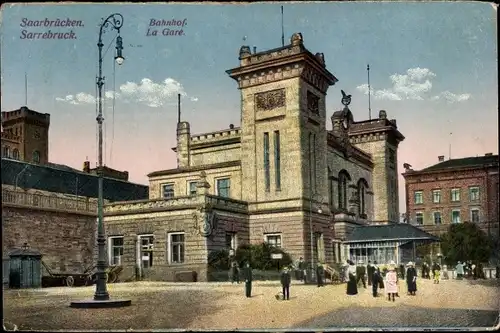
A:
(65, 240)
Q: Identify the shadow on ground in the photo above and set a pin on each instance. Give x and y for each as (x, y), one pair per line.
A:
(149, 310)
(406, 316)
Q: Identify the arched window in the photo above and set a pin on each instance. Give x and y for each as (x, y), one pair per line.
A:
(344, 178)
(15, 154)
(36, 156)
(362, 187)
(6, 151)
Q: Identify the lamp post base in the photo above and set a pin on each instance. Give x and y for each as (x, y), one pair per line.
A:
(93, 304)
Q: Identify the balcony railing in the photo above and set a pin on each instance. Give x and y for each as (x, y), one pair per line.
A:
(47, 201)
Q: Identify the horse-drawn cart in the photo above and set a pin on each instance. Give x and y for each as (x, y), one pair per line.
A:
(87, 278)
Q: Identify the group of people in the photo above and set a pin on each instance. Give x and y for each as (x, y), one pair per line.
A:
(356, 274)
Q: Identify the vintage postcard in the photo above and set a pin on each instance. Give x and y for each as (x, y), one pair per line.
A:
(267, 166)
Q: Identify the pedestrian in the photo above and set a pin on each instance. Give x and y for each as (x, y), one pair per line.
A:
(376, 279)
(352, 288)
(235, 272)
(319, 274)
(381, 280)
(370, 271)
(411, 279)
(459, 268)
(402, 271)
(247, 272)
(345, 268)
(285, 283)
(302, 269)
(361, 274)
(436, 270)
(391, 282)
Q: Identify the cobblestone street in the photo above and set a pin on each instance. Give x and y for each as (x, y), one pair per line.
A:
(223, 306)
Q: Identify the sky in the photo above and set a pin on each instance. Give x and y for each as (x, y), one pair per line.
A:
(433, 67)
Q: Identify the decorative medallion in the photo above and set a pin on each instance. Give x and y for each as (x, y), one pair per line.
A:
(205, 221)
(312, 103)
(270, 100)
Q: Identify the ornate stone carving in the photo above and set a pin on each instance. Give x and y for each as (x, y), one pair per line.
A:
(205, 221)
(312, 103)
(297, 39)
(270, 99)
(245, 51)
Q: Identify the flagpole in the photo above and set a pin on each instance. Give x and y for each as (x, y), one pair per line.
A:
(369, 93)
(282, 29)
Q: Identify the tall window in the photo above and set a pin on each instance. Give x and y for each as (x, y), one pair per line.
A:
(437, 218)
(330, 189)
(6, 152)
(474, 193)
(176, 247)
(168, 191)
(362, 186)
(342, 189)
(146, 243)
(455, 194)
(312, 160)
(455, 216)
(273, 240)
(436, 196)
(474, 215)
(192, 188)
(36, 156)
(277, 160)
(267, 180)
(419, 218)
(15, 154)
(419, 197)
(231, 240)
(223, 187)
(115, 251)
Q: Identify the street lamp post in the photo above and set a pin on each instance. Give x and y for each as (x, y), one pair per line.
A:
(101, 296)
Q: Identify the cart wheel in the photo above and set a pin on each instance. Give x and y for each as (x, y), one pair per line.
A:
(70, 281)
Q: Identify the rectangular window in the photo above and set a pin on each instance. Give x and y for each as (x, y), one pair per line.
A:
(168, 191)
(474, 215)
(277, 160)
(231, 240)
(267, 180)
(419, 218)
(176, 248)
(223, 187)
(436, 196)
(419, 197)
(474, 193)
(192, 187)
(437, 217)
(146, 243)
(455, 195)
(273, 240)
(115, 251)
(455, 216)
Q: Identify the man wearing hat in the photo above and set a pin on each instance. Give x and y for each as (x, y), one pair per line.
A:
(247, 272)
(411, 279)
(361, 273)
(285, 283)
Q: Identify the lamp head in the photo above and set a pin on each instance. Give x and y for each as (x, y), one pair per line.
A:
(119, 47)
(119, 60)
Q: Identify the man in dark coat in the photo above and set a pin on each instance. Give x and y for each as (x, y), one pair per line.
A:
(319, 274)
(376, 279)
(361, 274)
(247, 272)
(370, 271)
(411, 279)
(285, 283)
(302, 269)
(402, 271)
(381, 279)
(235, 272)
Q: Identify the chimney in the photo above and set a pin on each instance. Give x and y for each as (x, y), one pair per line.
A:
(441, 158)
(86, 166)
(255, 49)
(488, 154)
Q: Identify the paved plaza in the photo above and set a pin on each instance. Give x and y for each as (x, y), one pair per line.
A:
(157, 305)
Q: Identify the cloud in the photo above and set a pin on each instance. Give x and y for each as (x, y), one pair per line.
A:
(145, 92)
(414, 85)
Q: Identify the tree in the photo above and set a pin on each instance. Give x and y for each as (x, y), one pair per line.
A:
(259, 256)
(465, 241)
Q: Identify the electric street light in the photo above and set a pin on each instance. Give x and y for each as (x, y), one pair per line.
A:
(101, 296)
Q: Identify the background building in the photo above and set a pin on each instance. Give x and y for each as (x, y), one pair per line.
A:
(454, 191)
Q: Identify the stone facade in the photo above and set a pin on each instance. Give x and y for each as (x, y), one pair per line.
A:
(295, 178)
(485, 178)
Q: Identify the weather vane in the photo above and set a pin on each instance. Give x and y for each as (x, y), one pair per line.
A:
(346, 99)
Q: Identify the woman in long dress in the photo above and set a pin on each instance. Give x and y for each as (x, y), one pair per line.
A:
(391, 282)
(352, 288)
(411, 279)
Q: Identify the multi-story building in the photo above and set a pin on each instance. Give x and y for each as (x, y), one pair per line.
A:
(281, 177)
(454, 191)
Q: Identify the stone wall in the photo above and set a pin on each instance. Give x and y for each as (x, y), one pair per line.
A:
(66, 240)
